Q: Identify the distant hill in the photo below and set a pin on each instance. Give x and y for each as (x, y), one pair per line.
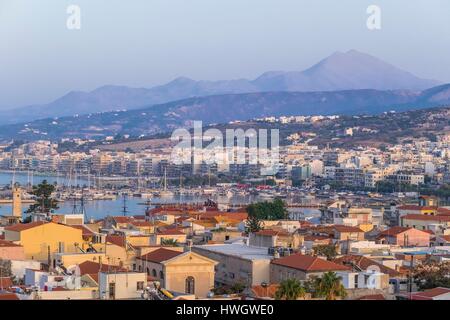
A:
(225, 108)
(351, 70)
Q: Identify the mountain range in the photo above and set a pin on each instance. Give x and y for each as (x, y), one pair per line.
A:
(225, 108)
(350, 70)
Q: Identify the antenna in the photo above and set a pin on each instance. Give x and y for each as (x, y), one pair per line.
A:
(74, 207)
(82, 207)
(124, 208)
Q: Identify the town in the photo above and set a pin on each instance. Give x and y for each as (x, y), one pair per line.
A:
(361, 223)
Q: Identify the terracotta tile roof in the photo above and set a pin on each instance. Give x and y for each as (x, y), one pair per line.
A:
(240, 216)
(170, 232)
(120, 219)
(8, 296)
(416, 207)
(443, 211)
(4, 243)
(91, 267)
(271, 233)
(18, 227)
(117, 240)
(429, 294)
(394, 231)
(317, 238)
(160, 255)
(309, 263)
(25, 226)
(86, 231)
(140, 223)
(365, 263)
(5, 282)
(440, 218)
(343, 228)
(94, 276)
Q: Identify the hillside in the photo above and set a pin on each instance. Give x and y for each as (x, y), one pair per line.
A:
(223, 109)
(351, 70)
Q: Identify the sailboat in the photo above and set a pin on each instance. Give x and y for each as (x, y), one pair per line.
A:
(164, 193)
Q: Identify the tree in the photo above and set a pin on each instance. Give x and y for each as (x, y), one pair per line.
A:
(238, 287)
(5, 268)
(328, 286)
(290, 289)
(44, 202)
(253, 224)
(169, 242)
(431, 275)
(275, 210)
(328, 251)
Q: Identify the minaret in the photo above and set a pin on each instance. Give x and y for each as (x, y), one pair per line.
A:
(17, 202)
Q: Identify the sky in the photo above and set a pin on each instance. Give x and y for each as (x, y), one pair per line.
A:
(142, 43)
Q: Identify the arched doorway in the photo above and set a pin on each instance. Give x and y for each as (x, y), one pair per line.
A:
(190, 285)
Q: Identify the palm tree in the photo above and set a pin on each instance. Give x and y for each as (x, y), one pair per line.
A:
(169, 242)
(329, 286)
(290, 289)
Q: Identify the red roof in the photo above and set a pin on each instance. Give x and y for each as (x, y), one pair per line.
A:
(140, 223)
(430, 294)
(91, 267)
(160, 255)
(240, 216)
(394, 231)
(309, 263)
(86, 231)
(5, 283)
(117, 240)
(416, 207)
(423, 217)
(170, 232)
(8, 296)
(343, 228)
(271, 233)
(365, 263)
(120, 219)
(25, 226)
(4, 243)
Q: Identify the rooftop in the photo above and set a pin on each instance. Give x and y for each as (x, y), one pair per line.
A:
(309, 263)
(239, 250)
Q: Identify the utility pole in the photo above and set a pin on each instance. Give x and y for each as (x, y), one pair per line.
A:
(124, 208)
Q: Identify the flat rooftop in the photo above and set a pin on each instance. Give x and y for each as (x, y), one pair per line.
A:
(238, 250)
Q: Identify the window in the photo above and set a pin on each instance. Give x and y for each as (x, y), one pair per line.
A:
(356, 281)
(112, 290)
(154, 273)
(161, 275)
(190, 285)
(140, 285)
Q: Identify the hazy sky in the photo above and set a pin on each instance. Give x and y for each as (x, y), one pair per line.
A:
(149, 42)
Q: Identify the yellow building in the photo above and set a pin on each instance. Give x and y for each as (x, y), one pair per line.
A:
(41, 239)
(167, 235)
(183, 272)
